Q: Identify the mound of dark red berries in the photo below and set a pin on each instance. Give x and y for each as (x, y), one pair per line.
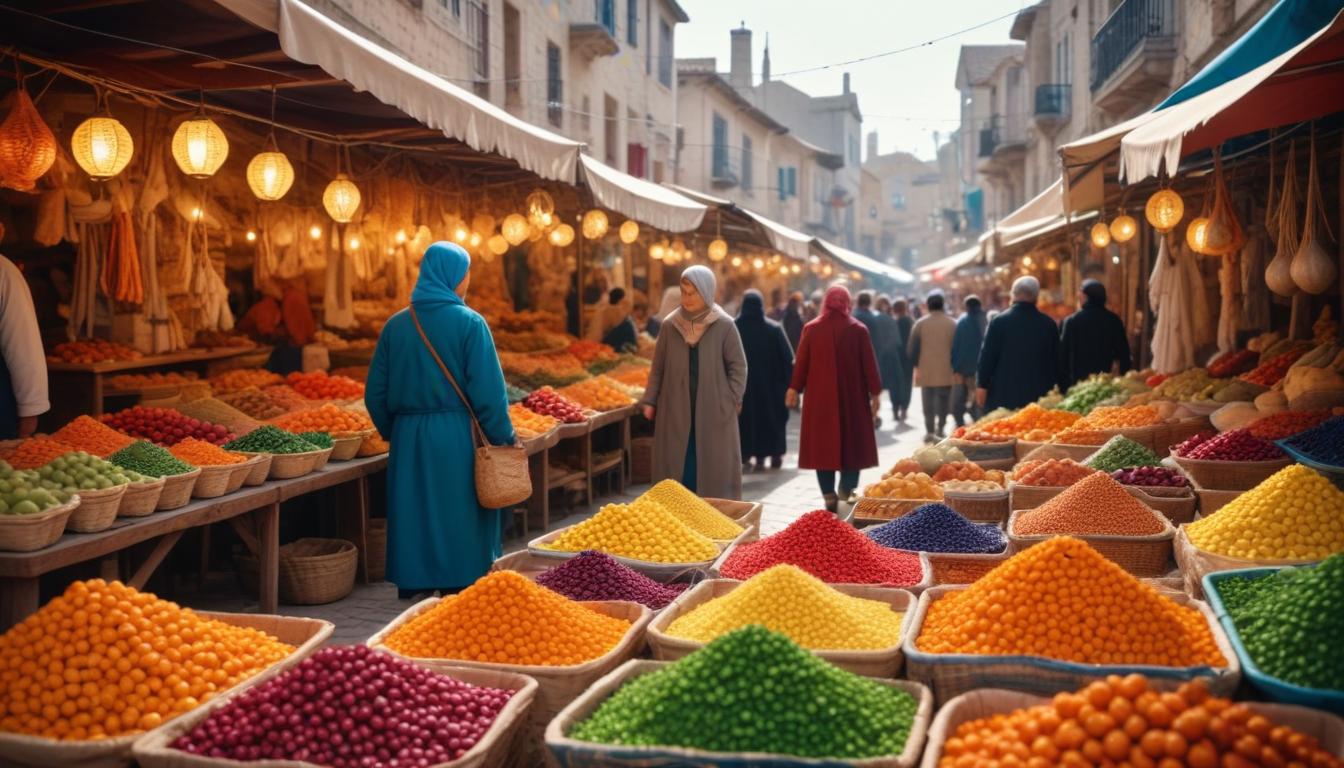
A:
(1236, 445)
(592, 575)
(1163, 477)
(351, 706)
(937, 528)
(827, 548)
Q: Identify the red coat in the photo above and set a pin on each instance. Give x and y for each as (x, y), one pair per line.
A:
(837, 374)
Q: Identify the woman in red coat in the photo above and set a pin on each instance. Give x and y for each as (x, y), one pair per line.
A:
(836, 368)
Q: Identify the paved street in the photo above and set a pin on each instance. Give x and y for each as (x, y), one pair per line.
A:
(787, 493)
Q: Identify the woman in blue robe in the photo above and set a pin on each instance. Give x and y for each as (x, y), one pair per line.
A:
(438, 536)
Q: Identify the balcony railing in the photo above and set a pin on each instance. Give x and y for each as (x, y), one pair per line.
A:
(1001, 130)
(1053, 100)
(1130, 25)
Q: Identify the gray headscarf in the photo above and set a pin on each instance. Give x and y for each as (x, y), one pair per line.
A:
(692, 327)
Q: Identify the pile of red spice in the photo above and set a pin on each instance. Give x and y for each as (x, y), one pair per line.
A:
(829, 549)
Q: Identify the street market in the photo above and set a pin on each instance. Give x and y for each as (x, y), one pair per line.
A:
(352, 416)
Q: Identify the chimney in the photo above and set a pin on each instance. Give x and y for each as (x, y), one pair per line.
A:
(846, 81)
(872, 145)
(765, 60)
(739, 73)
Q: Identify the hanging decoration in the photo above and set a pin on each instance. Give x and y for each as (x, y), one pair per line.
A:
(657, 251)
(514, 229)
(1197, 235)
(1225, 235)
(1312, 269)
(595, 224)
(270, 175)
(1123, 228)
(1278, 275)
(199, 147)
(1164, 210)
(718, 249)
(562, 235)
(483, 224)
(341, 199)
(1101, 235)
(102, 146)
(27, 145)
(498, 245)
(629, 231)
(540, 208)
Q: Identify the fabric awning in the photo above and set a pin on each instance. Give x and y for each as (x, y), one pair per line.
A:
(643, 201)
(855, 260)
(1042, 228)
(949, 264)
(788, 241)
(312, 38)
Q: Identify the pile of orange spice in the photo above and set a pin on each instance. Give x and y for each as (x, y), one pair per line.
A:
(199, 453)
(92, 436)
(36, 451)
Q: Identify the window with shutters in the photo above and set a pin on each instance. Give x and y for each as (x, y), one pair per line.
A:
(632, 22)
(788, 182)
(746, 163)
(664, 53)
(606, 15)
(720, 169)
(555, 87)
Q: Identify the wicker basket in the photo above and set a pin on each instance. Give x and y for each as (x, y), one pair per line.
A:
(567, 752)
(97, 509)
(1031, 496)
(963, 568)
(346, 446)
(240, 472)
(141, 499)
(1178, 431)
(641, 460)
(883, 662)
(317, 571)
(952, 674)
(1229, 475)
(982, 452)
(177, 490)
(1196, 563)
(375, 539)
(1078, 453)
(660, 572)
(1023, 448)
(1176, 504)
(1143, 556)
(213, 481)
(870, 509)
(286, 466)
(323, 456)
(29, 533)
(744, 513)
(260, 471)
(992, 507)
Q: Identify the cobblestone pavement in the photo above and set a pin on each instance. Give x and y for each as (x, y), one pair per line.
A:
(787, 493)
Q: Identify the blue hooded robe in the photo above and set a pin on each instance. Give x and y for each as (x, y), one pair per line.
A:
(438, 536)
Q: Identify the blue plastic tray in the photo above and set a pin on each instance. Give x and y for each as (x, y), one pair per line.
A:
(1272, 687)
(1333, 474)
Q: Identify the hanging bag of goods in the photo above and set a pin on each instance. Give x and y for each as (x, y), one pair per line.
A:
(1312, 269)
(1224, 235)
(1278, 275)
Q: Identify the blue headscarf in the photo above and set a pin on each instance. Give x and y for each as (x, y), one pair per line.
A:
(442, 268)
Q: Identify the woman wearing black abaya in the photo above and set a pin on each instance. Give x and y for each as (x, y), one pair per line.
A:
(769, 369)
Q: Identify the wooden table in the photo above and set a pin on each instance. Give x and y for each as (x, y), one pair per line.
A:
(621, 417)
(538, 460)
(253, 512)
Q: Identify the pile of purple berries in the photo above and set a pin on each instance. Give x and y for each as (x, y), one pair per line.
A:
(592, 575)
(938, 528)
(1151, 477)
(351, 706)
(1323, 443)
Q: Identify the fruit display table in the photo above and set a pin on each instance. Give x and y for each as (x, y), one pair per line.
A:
(253, 512)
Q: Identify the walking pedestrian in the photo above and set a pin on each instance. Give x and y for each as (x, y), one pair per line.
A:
(438, 535)
(931, 354)
(671, 300)
(900, 310)
(695, 391)
(891, 357)
(965, 357)
(793, 319)
(1093, 339)
(812, 309)
(883, 335)
(618, 329)
(23, 365)
(837, 371)
(762, 421)
(1019, 359)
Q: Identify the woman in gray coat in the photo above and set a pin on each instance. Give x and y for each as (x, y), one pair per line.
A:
(695, 392)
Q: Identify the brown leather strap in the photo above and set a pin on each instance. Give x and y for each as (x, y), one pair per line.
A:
(477, 432)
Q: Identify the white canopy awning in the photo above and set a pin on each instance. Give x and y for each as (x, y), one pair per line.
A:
(948, 264)
(790, 242)
(643, 201)
(312, 38)
(855, 260)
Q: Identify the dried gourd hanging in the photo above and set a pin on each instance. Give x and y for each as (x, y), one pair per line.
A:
(1278, 275)
(1312, 268)
(1224, 235)
(27, 145)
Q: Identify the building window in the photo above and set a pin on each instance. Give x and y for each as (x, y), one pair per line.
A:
(632, 22)
(664, 53)
(636, 160)
(872, 211)
(853, 146)
(606, 15)
(611, 126)
(455, 6)
(513, 66)
(788, 182)
(898, 200)
(720, 157)
(555, 87)
(478, 29)
(746, 163)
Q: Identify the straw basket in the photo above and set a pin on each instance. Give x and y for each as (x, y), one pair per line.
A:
(1024, 448)
(1143, 556)
(240, 473)
(307, 635)
(29, 533)
(213, 481)
(286, 466)
(557, 686)
(641, 460)
(1148, 436)
(952, 674)
(974, 705)
(882, 662)
(1176, 504)
(376, 549)
(1032, 496)
(1078, 453)
(744, 513)
(1196, 563)
(567, 752)
(495, 748)
(346, 446)
(141, 499)
(988, 455)
(322, 457)
(317, 571)
(1230, 475)
(872, 509)
(1179, 430)
(97, 509)
(925, 572)
(961, 567)
(260, 471)
(177, 490)
(992, 507)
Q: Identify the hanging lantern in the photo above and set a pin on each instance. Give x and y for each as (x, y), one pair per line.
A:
(718, 250)
(657, 252)
(1052, 264)
(629, 231)
(270, 175)
(514, 229)
(199, 147)
(758, 262)
(540, 207)
(1197, 235)
(341, 199)
(483, 223)
(102, 146)
(315, 232)
(461, 234)
(1101, 235)
(595, 224)
(497, 244)
(1164, 210)
(737, 261)
(1123, 228)
(795, 269)
(562, 235)
(27, 145)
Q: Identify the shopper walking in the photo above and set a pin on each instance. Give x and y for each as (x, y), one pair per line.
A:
(931, 352)
(891, 357)
(619, 331)
(438, 535)
(1093, 339)
(880, 334)
(900, 309)
(837, 371)
(695, 392)
(965, 357)
(1019, 359)
(23, 365)
(762, 421)
(792, 319)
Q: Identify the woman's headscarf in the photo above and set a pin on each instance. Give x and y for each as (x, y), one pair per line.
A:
(702, 277)
(753, 306)
(442, 268)
(837, 301)
(671, 300)
(692, 327)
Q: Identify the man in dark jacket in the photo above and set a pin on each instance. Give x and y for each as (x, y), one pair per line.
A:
(885, 337)
(1093, 340)
(1019, 361)
(966, 343)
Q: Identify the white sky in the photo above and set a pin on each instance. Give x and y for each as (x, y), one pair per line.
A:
(904, 97)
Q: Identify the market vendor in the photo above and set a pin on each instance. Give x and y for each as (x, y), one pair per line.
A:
(23, 367)
(1093, 339)
(286, 323)
(439, 538)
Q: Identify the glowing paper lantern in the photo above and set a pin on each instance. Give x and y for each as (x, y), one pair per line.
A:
(514, 228)
(718, 249)
(1101, 235)
(199, 147)
(1197, 235)
(595, 224)
(562, 235)
(657, 252)
(629, 231)
(102, 146)
(270, 175)
(540, 207)
(483, 223)
(341, 199)
(1123, 228)
(497, 244)
(1164, 210)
